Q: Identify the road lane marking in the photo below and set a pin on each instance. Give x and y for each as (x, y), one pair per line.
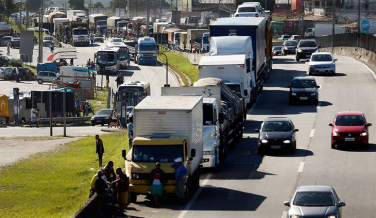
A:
(319, 104)
(284, 214)
(301, 167)
(312, 133)
(189, 205)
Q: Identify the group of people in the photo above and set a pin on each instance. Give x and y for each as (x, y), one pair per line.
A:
(90, 64)
(112, 189)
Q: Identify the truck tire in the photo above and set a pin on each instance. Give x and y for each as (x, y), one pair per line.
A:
(133, 197)
(196, 180)
(188, 191)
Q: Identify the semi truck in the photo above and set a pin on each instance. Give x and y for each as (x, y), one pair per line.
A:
(72, 13)
(98, 22)
(146, 51)
(107, 60)
(165, 128)
(194, 37)
(255, 27)
(224, 47)
(112, 24)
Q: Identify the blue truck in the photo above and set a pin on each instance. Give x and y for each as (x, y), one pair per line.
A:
(255, 27)
(146, 51)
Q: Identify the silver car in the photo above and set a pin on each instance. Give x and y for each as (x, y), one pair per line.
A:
(315, 201)
(322, 62)
(46, 76)
(5, 73)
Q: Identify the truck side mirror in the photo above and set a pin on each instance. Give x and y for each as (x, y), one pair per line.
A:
(245, 92)
(123, 153)
(193, 152)
(221, 117)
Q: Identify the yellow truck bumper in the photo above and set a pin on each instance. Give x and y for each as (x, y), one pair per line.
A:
(145, 189)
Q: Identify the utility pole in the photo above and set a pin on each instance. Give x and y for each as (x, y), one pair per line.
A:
(20, 18)
(219, 3)
(40, 48)
(27, 14)
(147, 17)
(358, 23)
(333, 24)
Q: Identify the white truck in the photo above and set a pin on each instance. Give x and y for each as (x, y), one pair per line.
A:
(57, 22)
(72, 13)
(165, 128)
(225, 48)
(211, 109)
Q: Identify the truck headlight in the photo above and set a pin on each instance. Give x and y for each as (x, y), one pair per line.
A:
(293, 94)
(154, 59)
(135, 176)
(333, 216)
(264, 141)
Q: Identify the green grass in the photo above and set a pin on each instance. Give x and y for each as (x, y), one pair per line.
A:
(16, 27)
(56, 184)
(100, 102)
(181, 64)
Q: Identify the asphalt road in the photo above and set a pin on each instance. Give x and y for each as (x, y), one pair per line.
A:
(250, 185)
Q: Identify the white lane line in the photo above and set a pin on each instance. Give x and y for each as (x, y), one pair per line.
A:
(319, 104)
(301, 167)
(312, 133)
(370, 70)
(284, 214)
(189, 205)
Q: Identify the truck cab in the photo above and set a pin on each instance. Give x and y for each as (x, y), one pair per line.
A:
(80, 36)
(146, 51)
(205, 42)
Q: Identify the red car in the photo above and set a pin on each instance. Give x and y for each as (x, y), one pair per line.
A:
(350, 128)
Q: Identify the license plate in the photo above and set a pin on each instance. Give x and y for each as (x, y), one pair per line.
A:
(303, 98)
(322, 70)
(148, 59)
(349, 139)
(276, 147)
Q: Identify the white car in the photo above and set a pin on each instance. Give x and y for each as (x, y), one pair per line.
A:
(258, 4)
(322, 62)
(248, 10)
(5, 73)
(117, 40)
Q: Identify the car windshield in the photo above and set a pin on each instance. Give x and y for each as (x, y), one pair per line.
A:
(48, 38)
(157, 153)
(247, 9)
(276, 126)
(304, 84)
(129, 109)
(314, 199)
(291, 43)
(307, 44)
(117, 40)
(349, 120)
(104, 112)
(148, 48)
(325, 57)
(277, 48)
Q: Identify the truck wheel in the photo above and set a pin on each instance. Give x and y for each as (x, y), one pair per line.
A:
(40, 81)
(133, 197)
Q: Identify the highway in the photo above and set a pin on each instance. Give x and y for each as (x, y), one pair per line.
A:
(250, 185)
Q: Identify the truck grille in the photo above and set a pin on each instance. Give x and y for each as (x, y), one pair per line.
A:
(81, 39)
(148, 55)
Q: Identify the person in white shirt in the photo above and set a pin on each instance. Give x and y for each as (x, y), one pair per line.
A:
(114, 119)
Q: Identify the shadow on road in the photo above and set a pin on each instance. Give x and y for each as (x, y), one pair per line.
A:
(127, 73)
(357, 148)
(298, 153)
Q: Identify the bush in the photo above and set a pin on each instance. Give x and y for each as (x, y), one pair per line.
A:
(15, 62)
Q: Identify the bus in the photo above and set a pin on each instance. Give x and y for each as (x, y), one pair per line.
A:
(124, 56)
(130, 94)
(107, 60)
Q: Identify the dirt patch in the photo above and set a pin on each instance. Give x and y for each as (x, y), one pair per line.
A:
(17, 148)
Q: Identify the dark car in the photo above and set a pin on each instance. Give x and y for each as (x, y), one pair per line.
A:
(4, 60)
(15, 43)
(305, 48)
(315, 201)
(276, 50)
(24, 74)
(102, 117)
(303, 89)
(276, 134)
(350, 128)
(289, 47)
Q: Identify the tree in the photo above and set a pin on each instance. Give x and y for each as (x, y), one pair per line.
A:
(77, 4)
(9, 8)
(34, 5)
(98, 5)
(118, 4)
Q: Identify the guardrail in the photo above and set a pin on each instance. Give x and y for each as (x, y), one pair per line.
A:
(365, 41)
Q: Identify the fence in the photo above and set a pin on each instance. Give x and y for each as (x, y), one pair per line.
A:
(365, 41)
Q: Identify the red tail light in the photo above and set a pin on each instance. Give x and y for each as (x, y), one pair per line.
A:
(236, 15)
(256, 15)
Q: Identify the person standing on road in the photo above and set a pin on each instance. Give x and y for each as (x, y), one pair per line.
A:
(99, 149)
(52, 47)
(119, 80)
(92, 39)
(8, 48)
(130, 132)
(180, 172)
(122, 188)
(17, 75)
(86, 109)
(157, 181)
(33, 115)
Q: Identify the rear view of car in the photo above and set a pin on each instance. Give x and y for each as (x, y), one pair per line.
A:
(5, 40)
(277, 50)
(322, 62)
(289, 47)
(247, 11)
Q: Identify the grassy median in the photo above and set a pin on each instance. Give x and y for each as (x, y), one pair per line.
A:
(181, 64)
(56, 184)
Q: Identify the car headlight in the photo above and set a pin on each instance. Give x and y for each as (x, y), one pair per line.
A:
(293, 94)
(335, 133)
(208, 153)
(300, 50)
(363, 134)
(92, 118)
(264, 141)
(333, 216)
(287, 141)
(295, 216)
(135, 176)
(313, 93)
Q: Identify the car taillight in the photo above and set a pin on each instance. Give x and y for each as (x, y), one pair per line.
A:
(236, 15)
(256, 15)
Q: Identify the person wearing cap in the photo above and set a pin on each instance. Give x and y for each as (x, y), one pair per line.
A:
(157, 181)
(122, 188)
(180, 172)
(99, 149)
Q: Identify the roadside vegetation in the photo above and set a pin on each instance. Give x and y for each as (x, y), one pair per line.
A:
(100, 100)
(180, 65)
(56, 183)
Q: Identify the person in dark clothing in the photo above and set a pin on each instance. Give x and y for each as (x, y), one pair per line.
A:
(99, 149)
(157, 180)
(100, 184)
(111, 176)
(104, 197)
(119, 80)
(122, 188)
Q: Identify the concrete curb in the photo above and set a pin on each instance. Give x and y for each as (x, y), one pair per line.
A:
(111, 130)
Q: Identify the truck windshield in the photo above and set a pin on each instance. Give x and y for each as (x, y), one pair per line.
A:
(80, 32)
(205, 40)
(123, 53)
(121, 25)
(106, 57)
(154, 153)
(148, 48)
(102, 22)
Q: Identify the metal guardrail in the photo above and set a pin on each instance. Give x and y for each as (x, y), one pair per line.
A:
(366, 41)
(68, 119)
